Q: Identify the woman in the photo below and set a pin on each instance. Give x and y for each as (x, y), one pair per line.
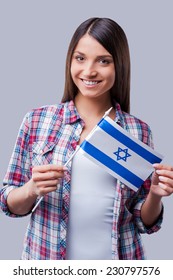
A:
(85, 212)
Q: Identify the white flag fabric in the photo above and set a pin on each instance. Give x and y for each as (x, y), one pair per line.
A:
(119, 153)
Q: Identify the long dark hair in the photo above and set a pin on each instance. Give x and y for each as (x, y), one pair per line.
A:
(112, 37)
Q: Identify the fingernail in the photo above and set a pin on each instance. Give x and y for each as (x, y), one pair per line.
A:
(156, 165)
(158, 171)
(162, 186)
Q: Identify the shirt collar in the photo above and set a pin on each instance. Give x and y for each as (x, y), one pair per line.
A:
(71, 114)
(119, 118)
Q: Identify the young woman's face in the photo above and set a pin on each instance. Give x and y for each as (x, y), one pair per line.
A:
(92, 68)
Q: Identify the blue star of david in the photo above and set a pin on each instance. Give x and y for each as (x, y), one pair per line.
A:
(122, 154)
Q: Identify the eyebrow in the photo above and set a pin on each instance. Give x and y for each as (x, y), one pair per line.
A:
(99, 56)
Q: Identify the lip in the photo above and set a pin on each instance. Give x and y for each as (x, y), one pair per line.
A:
(90, 83)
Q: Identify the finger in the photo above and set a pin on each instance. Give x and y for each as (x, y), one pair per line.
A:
(162, 166)
(166, 188)
(165, 173)
(43, 191)
(39, 176)
(48, 167)
(155, 178)
(47, 184)
(166, 180)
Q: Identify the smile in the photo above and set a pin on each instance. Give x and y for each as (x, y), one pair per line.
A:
(90, 83)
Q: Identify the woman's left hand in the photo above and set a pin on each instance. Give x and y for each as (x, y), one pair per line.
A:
(162, 180)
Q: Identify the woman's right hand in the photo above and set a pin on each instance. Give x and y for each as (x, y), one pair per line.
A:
(45, 179)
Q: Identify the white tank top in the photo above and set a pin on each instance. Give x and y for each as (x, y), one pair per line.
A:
(91, 211)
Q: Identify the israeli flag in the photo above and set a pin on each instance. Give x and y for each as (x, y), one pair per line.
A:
(119, 153)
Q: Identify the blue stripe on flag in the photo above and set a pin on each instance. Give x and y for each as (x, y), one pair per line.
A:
(118, 135)
(111, 164)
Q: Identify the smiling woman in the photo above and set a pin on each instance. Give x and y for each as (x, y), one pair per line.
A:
(85, 213)
(110, 40)
(92, 67)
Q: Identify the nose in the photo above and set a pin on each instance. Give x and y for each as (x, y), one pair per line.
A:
(89, 70)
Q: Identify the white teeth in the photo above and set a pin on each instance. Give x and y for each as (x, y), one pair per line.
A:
(90, 82)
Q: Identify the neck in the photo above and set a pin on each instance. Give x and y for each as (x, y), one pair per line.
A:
(92, 108)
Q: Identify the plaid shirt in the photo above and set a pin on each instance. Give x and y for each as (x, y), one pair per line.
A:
(50, 135)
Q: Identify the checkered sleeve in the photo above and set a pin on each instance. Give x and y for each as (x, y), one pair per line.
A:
(137, 211)
(18, 172)
(141, 195)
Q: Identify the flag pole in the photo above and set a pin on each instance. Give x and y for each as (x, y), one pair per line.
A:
(71, 157)
(41, 198)
(107, 112)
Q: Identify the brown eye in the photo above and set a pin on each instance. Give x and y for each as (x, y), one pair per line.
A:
(104, 61)
(79, 58)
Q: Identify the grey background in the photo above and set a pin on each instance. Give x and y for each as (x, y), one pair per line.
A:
(34, 37)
